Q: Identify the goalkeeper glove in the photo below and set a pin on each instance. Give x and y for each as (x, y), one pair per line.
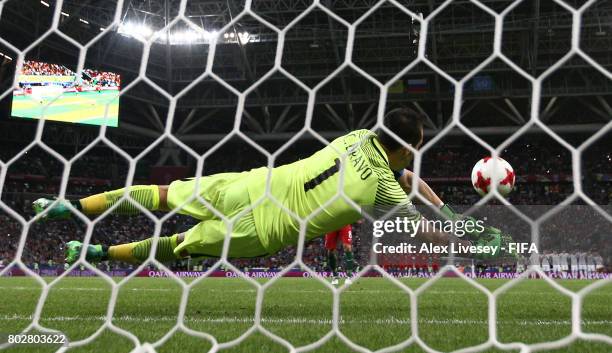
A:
(449, 213)
(485, 234)
(490, 236)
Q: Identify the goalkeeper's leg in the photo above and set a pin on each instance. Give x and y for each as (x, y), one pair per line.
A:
(135, 252)
(205, 239)
(151, 197)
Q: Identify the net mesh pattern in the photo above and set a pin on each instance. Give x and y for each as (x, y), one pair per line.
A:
(492, 296)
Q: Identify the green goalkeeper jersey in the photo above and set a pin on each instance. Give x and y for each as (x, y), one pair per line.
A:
(309, 188)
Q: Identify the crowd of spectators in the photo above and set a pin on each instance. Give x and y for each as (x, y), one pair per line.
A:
(546, 159)
(44, 241)
(38, 171)
(103, 78)
(94, 78)
(31, 67)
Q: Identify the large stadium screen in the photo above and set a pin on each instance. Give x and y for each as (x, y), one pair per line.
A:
(54, 92)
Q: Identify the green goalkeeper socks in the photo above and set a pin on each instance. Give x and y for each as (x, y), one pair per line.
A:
(138, 252)
(146, 195)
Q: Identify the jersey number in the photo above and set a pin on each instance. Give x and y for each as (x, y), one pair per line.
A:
(312, 183)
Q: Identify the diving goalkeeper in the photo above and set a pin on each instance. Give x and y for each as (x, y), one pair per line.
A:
(362, 163)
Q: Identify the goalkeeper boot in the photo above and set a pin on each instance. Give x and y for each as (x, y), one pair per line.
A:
(95, 253)
(348, 281)
(334, 281)
(57, 211)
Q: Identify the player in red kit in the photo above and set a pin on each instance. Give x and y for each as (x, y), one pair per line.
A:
(345, 234)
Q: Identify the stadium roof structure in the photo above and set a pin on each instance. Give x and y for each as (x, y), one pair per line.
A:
(497, 100)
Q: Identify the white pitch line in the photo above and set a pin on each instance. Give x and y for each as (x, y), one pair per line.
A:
(349, 291)
(85, 289)
(301, 320)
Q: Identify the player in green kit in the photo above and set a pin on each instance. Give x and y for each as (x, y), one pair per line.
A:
(361, 163)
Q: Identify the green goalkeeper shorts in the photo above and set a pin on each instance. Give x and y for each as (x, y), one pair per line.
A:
(228, 194)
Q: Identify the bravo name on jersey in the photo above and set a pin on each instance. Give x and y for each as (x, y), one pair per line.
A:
(355, 163)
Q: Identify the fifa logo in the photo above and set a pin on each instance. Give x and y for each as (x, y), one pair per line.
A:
(522, 248)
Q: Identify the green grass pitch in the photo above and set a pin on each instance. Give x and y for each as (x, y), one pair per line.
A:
(374, 313)
(82, 107)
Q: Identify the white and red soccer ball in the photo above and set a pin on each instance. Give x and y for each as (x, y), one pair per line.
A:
(489, 172)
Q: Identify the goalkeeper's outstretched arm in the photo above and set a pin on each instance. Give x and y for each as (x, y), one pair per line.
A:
(405, 179)
(486, 236)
